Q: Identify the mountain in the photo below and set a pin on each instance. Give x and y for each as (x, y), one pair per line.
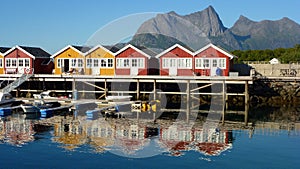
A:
(197, 29)
(267, 34)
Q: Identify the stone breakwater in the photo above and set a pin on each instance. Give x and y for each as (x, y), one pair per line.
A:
(275, 92)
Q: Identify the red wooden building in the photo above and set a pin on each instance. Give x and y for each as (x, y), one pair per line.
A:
(212, 61)
(22, 59)
(176, 61)
(131, 60)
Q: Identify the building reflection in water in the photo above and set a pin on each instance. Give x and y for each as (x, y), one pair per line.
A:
(16, 130)
(131, 137)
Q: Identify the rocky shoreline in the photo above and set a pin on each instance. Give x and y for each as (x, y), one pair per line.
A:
(275, 92)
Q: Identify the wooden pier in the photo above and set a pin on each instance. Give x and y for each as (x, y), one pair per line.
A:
(188, 89)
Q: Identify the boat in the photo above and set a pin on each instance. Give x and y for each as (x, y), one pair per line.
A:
(47, 95)
(6, 100)
(29, 108)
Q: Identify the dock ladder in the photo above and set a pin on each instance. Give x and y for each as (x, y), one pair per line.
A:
(16, 83)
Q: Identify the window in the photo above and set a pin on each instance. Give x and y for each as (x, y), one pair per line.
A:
(21, 63)
(103, 62)
(126, 63)
(80, 63)
(172, 62)
(11, 62)
(215, 63)
(73, 63)
(27, 63)
(96, 63)
(122, 63)
(58, 63)
(1, 62)
(206, 63)
(88, 63)
(14, 63)
(165, 63)
(8, 63)
(110, 62)
(222, 63)
(119, 63)
(181, 63)
(199, 63)
(141, 63)
(185, 63)
(134, 62)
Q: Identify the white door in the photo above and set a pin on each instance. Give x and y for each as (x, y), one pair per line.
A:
(134, 71)
(214, 66)
(173, 67)
(96, 71)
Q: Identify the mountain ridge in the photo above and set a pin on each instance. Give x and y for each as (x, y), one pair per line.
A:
(199, 28)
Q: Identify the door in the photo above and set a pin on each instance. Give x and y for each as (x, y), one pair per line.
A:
(214, 67)
(96, 71)
(173, 67)
(66, 65)
(134, 70)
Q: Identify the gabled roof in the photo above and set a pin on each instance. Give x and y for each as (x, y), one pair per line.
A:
(216, 48)
(33, 52)
(79, 49)
(173, 47)
(134, 48)
(97, 47)
(83, 49)
(3, 50)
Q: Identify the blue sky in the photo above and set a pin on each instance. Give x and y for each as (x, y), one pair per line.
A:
(53, 24)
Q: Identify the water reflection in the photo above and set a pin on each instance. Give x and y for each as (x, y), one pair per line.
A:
(133, 138)
(16, 130)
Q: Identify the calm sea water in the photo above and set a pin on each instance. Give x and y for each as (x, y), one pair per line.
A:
(79, 142)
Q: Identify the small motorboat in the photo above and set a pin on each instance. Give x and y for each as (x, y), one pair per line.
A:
(6, 100)
(118, 98)
(29, 108)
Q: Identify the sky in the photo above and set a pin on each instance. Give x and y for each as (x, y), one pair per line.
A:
(54, 24)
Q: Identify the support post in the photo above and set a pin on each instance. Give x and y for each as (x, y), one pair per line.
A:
(105, 87)
(246, 92)
(246, 114)
(188, 95)
(223, 101)
(154, 90)
(137, 89)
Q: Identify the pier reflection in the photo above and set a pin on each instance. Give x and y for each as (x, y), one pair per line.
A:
(132, 137)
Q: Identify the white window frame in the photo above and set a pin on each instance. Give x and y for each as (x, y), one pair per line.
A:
(141, 63)
(165, 63)
(199, 63)
(110, 62)
(1, 62)
(103, 63)
(96, 62)
(89, 62)
(222, 63)
(79, 63)
(59, 63)
(184, 63)
(9, 62)
(214, 62)
(27, 60)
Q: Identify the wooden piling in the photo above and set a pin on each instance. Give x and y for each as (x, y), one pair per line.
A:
(188, 95)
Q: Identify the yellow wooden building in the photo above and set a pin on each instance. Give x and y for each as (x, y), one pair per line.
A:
(70, 60)
(99, 61)
(2, 66)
